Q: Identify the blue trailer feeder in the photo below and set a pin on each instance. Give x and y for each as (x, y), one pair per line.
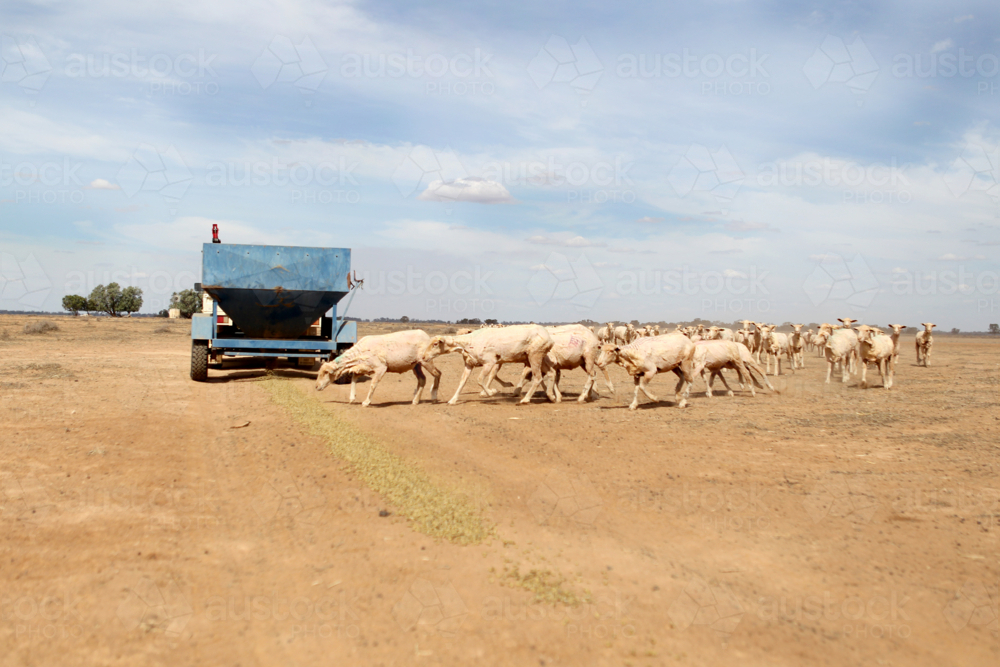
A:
(273, 302)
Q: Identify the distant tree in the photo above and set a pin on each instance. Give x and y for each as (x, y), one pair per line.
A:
(187, 301)
(469, 320)
(131, 300)
(995, 328)
(955, 331)
(114, 300)
(163, 313)
(494, 322)
(404, 318)
(74, 303)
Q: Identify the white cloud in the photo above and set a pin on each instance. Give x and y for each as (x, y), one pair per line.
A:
(650, 219)
(470, 189)
(951, 257)
(943, 45)
(101, 184)
(962, 19)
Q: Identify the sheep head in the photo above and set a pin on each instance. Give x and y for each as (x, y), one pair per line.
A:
(608, 355)
(328, 372)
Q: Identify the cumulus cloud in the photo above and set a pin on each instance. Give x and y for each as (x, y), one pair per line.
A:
(650, 219)
(951, 257)
(469, 189)
(943, 45)
(101, 184)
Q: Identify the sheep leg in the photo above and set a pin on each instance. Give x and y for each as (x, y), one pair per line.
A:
(588, 392)
(436, 378)
(684, 384)
(641, 381)
(520, 383)
(536, 360)
(742, 373)
(354, 385)
(844, 371)
(927, 357)
(498, 380)
(607, 379)
(490, 370)
(461, 383)
(379, 372)
(829, 369)
(421, 381)
(680, 382)
(864, 374)
(554, 380)
(718, 374)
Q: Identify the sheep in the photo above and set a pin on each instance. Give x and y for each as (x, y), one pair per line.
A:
(757, 340)
(644, 358)
(719, 333)
(715, 355)
(621, 335)
(607, 333)
(397, 352)
(797, 344)
(490, 348)
(841, 347)
(774, 345)
(574, 346)
(876, 348)
(923, 343)
(807, 339)
(897, 329)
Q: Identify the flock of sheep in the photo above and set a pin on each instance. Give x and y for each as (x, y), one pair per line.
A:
(688, 352)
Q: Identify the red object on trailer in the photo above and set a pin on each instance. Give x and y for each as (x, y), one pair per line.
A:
(215, 234)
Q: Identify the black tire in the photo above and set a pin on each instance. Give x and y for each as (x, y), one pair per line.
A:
(199, 360)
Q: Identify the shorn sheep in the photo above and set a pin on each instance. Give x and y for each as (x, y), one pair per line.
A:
(398, 352)
(924, 342)
(490, 348)
(574, 346)
(876, 348)
(646, 357)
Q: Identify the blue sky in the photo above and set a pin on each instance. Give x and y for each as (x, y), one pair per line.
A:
(777, 162)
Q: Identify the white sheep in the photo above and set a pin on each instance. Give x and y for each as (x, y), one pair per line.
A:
(397, 352)
(876, 348)
(646, 357)
(924, 342)
(573, 346)
(491, 348)
(715, 355)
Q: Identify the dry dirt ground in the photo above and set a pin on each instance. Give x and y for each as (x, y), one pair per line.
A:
(143, 521)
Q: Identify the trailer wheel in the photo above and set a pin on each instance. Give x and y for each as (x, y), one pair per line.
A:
(199, 360)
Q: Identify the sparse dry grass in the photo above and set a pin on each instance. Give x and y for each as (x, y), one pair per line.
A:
(40, 327)
(546, 585)
(432, 508)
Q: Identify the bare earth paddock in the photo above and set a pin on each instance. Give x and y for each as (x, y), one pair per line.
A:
(143, 521)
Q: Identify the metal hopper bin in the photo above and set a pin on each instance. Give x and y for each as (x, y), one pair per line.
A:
(271, 301)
